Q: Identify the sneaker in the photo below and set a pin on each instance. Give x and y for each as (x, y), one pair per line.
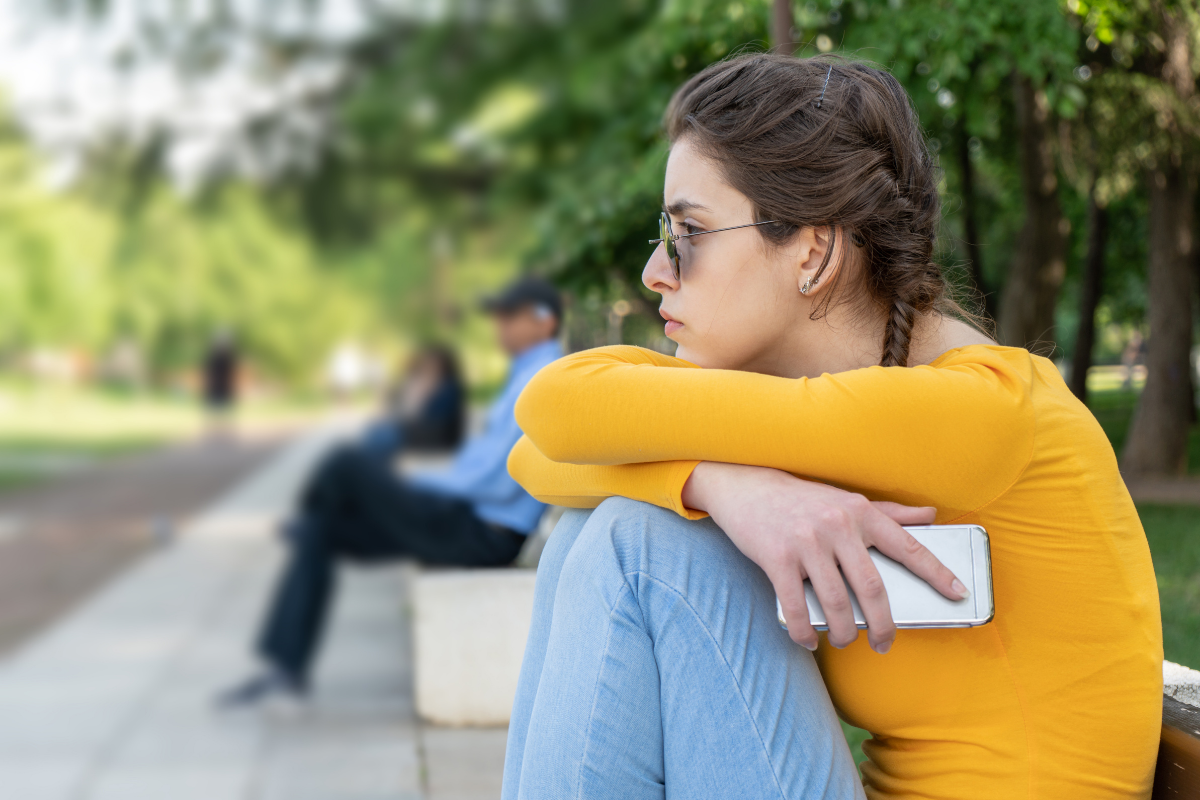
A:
(292, 529)
(272, 692)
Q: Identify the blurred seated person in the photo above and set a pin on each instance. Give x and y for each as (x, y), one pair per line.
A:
(424, 411)
(356, 507)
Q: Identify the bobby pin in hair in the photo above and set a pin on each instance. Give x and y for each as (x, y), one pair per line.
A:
(824, 86)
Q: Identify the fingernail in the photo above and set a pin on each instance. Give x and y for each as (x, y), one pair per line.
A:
(883, 647)
(962, 590)
(811, 647)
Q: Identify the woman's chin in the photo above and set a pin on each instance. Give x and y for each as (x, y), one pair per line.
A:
(692, 355)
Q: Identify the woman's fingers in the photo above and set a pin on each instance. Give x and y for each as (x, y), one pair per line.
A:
(830, 589)
(896, 543)
(790, 591)
(868, 587)
(906, 515)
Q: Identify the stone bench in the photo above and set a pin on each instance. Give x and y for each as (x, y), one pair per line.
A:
(469, 632)
(1177, 775)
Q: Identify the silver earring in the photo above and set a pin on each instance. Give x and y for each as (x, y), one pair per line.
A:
(808, 284)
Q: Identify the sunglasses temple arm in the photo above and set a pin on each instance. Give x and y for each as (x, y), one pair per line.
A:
(718, 230)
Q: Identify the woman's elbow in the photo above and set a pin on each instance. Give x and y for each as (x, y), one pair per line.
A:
(538, 413)
(527, 467)
(519, 462)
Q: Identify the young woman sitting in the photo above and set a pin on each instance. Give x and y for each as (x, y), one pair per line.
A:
(825, 392)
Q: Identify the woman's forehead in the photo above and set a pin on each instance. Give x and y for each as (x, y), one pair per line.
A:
(695, 184)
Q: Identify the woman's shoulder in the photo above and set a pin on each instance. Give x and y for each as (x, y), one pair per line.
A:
(1016, 362)
(984, 353)
(624, 354)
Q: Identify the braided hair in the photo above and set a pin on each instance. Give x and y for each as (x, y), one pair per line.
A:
(828, 142)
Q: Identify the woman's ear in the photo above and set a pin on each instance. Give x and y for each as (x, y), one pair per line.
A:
(813, 245)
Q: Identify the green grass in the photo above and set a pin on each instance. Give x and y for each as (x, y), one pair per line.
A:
(855, 737)
(45, 421)
(1174, 536)
(1114, 410)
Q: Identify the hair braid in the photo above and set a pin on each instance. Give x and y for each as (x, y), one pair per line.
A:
(897, 334)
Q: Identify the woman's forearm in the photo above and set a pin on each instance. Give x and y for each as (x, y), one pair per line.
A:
(586, 486)
(713, 487)
(900, 434)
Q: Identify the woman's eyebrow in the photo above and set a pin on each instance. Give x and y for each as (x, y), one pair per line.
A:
(681, 207)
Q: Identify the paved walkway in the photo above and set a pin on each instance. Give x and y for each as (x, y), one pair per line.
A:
(1167, 491)
(114, 702)
(61, 540)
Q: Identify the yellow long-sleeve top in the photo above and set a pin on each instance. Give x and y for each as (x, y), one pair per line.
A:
(1061, 695)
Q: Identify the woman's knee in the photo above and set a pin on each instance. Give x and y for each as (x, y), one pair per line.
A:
(640, 538)
(560, 542)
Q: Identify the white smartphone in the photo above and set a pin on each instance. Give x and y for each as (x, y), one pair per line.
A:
(965, 551)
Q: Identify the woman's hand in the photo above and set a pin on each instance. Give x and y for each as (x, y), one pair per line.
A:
(795, 529)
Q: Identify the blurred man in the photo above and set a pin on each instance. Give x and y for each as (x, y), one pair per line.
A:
(356, 508)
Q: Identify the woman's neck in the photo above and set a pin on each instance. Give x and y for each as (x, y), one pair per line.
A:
(840, 342)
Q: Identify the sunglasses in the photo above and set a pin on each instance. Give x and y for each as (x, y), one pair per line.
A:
(669, 238)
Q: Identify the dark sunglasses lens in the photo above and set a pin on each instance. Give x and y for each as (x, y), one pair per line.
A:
(668, 237)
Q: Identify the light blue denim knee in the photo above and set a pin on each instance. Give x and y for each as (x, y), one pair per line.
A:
(655, 668)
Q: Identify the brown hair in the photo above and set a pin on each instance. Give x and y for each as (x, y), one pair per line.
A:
(823, 141)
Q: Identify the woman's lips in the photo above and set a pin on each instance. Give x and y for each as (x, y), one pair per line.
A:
(671, 327)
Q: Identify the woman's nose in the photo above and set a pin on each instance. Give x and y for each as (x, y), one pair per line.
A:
(658, 276)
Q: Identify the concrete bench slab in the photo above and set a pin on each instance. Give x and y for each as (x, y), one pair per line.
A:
(469, 632)
(1181, 683)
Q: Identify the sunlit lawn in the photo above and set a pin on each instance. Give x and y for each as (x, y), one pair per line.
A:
(44, 429)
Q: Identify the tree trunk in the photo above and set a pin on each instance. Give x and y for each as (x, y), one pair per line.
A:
(781, 27)
(1089, 297)
(1195, 416)
(1031, 292)
(971, 223)
(1157, 443)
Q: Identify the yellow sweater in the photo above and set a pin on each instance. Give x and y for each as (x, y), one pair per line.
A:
(1060, 697)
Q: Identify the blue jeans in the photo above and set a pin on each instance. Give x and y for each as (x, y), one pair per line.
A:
(655, 668)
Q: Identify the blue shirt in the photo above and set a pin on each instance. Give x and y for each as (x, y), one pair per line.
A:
(479, 474)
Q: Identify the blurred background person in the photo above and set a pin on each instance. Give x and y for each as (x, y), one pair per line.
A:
(424, 409)
(356, 507)
(219, 371)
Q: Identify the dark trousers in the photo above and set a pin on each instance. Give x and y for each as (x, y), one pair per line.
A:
(355, 508)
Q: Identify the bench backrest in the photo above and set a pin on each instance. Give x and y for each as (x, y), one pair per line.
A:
(1177, 775)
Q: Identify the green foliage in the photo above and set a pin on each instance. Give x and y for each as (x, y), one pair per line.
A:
(52, 287)
(465, 145)
(74, 275)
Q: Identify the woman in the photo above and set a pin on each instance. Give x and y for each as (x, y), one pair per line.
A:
(425, 410)
(830, 356)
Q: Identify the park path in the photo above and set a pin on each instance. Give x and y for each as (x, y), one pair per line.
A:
(1166, 491)
(63, 539)
(113, 702)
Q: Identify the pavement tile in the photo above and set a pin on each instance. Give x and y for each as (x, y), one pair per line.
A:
(115, 701)
(464, 763)
(40, 778)
(171, 782)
